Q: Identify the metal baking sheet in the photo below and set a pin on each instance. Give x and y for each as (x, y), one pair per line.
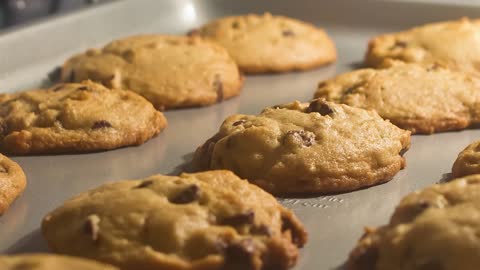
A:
(334, 222)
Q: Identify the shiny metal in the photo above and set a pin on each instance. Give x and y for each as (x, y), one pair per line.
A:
(334, 222)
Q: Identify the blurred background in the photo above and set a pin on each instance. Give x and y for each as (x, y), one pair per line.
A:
(15, 12)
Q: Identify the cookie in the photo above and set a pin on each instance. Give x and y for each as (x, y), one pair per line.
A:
(169, 71)
(468, 161)
(317, 147)
(49, 262)
(423, 98)
(266, 43)
(12, 182)
(452, 43)
(435, 228)
(75, 117)
(209, 220)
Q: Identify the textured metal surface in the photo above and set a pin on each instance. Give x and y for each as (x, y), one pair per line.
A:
(334, 222)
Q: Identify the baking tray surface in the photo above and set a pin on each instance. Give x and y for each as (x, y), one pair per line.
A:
(334, 222)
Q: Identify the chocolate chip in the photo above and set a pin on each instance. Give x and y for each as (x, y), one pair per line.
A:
(188, 195)
(321, 84)
(302, 137)
(239, 219)
(399, 44)
(261, 230)
(235, 25)
(101, 124)
(144, 184)
(82, 88)
(240, 255)
(320, 107)
(55, 75)
(91, 227)
(403, 151)
(435, 66)
(110, 81)
(422, 205)
(218, 85)
(72, 76)
(3, 128)
(288, 33)
(366, 259)
(193, 32)
(57, 88)
(287, 225)
(239, 122)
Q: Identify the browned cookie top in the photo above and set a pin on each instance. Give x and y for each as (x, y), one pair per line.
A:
(468, 161)
(209, 220)
(169, 71)
(75, 117)
(315, 147)
(12, 182)
(423, 98)
(264, 43)
(452, 43)
(435, 228)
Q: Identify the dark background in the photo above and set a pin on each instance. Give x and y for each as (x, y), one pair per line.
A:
(15, 12)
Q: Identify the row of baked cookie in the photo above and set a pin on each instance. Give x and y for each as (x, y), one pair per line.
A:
(426, 81)
(434, 228)
(169, 71)
(201, 69)
(70, 121)
(434, 88)
(324, 147)
(215, 220)
(210, 220)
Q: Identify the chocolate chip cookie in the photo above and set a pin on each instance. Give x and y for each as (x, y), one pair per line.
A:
(75, 117)
(316, 147)
(169, 71)
(209, 220)
(49, 262)
(453, 43)
(435, 228)
(468, 161)
(423, 98)
(12, 182)
(266, 43)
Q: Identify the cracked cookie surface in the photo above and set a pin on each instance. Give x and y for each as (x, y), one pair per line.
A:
(266, 43)
(75, 117)
(169, 71)
(317, 147)
(49, 262)
(468, 161)
(423, 98)
(435, 228)
(454, 44)
(12, 182)
(209, 220)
